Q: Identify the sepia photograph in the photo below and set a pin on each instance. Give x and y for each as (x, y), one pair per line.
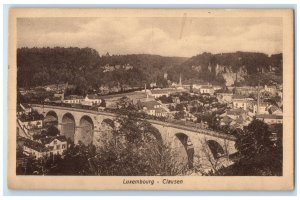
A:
(151, 99)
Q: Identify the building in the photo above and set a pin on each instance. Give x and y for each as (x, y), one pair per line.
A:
(45, 146)
(247, 90)
(237, 118)
(91, 99)
(73, 99)
(55, 145)
(271, 89)
(263, 108)
(31, 121)
(156, 93)
(59, 95)
(154, 108)
(224, 97)
(270, 119)
(33, 148)
(207, 90)
(239, 101)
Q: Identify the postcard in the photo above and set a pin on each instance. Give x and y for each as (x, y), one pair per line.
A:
(151, 99)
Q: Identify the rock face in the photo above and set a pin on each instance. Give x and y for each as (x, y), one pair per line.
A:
(230, 77)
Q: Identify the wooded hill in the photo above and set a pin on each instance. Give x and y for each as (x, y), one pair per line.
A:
(84, 67)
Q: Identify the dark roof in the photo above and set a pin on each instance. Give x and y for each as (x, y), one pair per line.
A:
(273, 108)
(73, 97)
(47, 140)
(267, 116)
(31, 117)
(226, 120)
(206, 87)
(150, 104)
(34, 145)
(93, 96)
(160, 110)
(235, 111)
(238, 96)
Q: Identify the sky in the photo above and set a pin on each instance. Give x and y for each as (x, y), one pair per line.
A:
(164, 36)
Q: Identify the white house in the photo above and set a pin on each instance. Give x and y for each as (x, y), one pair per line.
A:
(73, 99)
(55, 145)
(91, 99)
(207, 90)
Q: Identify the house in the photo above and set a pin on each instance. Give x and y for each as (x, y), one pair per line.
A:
(247, 90)
(207, 90)
(271, 89)
(45, 146)
(152, 85)
(270, 119)
(59, 95)
(156, 93)
(91, 99)
(217, 87)
(237, 118)
(224, 97)
(31, 120)
(73, 99)
(55, 145)
(54, 99)
(33, 148)
(154, 108)
(262, 109)
(239, 101)
(198, 86)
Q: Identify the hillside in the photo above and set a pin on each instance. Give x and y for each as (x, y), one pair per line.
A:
(245, 67)
(85, 68)
(42, 66)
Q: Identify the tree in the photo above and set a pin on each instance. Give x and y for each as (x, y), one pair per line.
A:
(258, 153)
(103, 103)
(179, 115)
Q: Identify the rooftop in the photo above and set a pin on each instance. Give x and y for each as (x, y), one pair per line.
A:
(71, 97)
(268, 116)
(34, 145)
(48, 140)
(93, 96)
(149, 104)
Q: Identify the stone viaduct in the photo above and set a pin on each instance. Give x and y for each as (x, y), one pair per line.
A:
(193, 145)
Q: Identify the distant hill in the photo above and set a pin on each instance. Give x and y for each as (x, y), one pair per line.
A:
(244, 67)
(85, 68)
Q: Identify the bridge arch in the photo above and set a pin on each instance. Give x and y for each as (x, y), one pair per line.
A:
(184, 148)
(51, 119)
(85, 132)
(68, 126)
(215, 148)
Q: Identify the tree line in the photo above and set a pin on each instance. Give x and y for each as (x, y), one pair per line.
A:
(85, 67)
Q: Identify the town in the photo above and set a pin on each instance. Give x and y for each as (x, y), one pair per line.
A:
(200, 105)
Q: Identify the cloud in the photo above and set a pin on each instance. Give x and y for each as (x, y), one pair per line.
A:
(154, 35)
